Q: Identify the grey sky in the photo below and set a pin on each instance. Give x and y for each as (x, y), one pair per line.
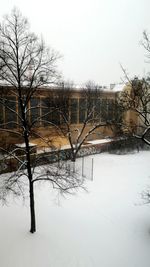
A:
(93, 36)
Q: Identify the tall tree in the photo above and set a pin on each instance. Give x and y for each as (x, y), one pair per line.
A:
(26, 64)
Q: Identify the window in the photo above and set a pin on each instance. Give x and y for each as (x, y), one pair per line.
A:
(55, 117)
(74, 110)
(50, 115)
(103, 110)
(1, 114)
(82, 110)
(46, 116)
(96, 106)
(110, 109)
(10, 112)
(34, 110)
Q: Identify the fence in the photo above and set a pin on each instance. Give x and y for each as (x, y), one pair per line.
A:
(82, 166)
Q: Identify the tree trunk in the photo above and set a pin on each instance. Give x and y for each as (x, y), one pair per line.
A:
(73, 158)
(73, 155)
(32, 208)
(31, 186)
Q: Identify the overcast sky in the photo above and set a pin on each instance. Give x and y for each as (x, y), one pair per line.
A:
(93, 36)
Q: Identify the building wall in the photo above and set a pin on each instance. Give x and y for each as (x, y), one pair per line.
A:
(10, 120)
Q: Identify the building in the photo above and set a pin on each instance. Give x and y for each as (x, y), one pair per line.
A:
(45, 120)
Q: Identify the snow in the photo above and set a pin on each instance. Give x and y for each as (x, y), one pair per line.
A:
(23, 145)
(105, 227)
(118, 87)
(99, 141)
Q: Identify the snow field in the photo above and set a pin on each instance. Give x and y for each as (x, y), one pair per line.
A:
(105, 227)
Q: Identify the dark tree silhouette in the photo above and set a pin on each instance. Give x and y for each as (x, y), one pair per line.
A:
(26, 64)
(136, 100)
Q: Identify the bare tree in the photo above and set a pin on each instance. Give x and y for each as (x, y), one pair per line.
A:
(79, 118)
(26, 64)
(136, 100)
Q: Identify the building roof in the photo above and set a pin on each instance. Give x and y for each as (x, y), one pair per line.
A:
(118, 87)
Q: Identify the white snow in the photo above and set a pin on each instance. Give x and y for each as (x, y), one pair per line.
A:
(118, 87)
(104, 227)
(23, 145)
(99, 141)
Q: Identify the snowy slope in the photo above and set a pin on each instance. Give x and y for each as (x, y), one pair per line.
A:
(106, 227)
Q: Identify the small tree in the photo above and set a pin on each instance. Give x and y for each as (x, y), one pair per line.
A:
(136, 100)
(26, 64)
(92, 112)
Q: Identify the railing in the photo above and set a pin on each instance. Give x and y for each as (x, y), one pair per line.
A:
(119, 146)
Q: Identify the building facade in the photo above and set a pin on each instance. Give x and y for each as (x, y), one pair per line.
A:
(45, 118)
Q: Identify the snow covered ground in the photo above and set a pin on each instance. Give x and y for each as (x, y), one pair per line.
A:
(104, 227)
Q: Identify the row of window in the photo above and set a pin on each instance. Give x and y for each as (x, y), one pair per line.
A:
(41, 114)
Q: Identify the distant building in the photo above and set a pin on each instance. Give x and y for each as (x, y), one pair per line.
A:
(36, 109)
